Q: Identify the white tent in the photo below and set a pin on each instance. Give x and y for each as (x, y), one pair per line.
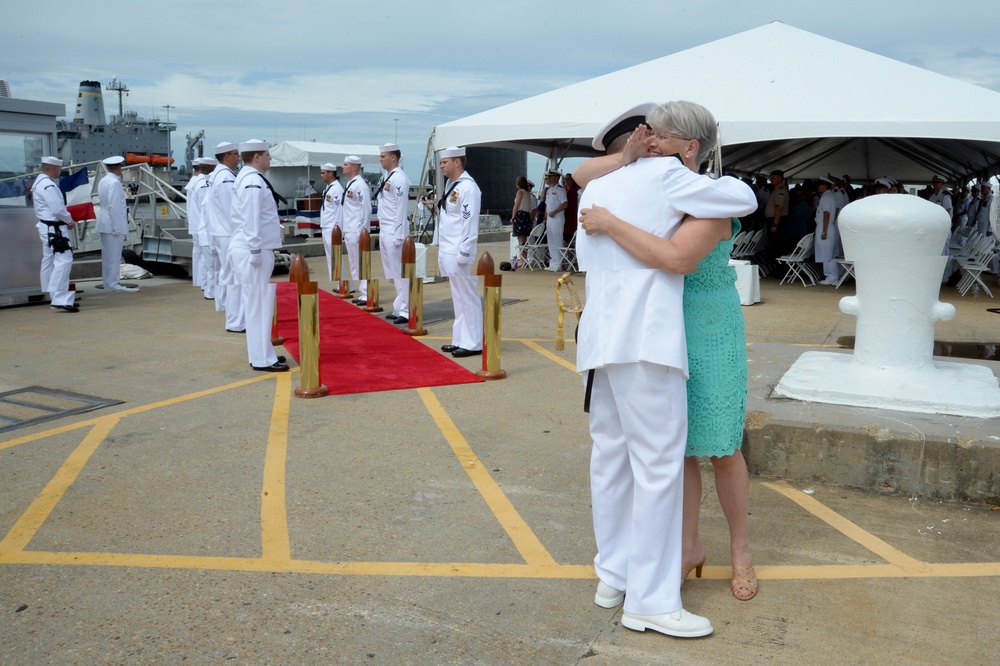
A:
(784, 98)
(295, 161)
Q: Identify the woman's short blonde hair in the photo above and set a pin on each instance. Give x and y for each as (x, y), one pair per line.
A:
(687, 120)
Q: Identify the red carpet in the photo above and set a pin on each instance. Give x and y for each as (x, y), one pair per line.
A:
(361, 352)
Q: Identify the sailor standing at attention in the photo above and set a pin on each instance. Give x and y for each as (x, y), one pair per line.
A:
(192, 221)
(329, 210)
(256, 235)
(112, 224)
(457, 241)
(199, 195)
(57, 257)
(556, 203)
(393, 227)
(355, 209)
(219, 207)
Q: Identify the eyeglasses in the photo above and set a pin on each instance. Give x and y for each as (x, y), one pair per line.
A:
(661, 136)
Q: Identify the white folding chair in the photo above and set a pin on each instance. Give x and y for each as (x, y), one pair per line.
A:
(848, 267)
(536, 248)
(799, 262)
(567, 255)
(974, 264)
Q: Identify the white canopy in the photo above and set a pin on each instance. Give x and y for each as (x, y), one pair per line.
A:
(785, 99)
(310, 153)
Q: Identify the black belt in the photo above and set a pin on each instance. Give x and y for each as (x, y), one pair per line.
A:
(52, 223)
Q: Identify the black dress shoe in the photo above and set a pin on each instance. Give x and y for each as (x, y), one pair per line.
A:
(229, 330)
(281, 359)
(277, 367)
(360, 301)
(66, 308)
(400, 320)
(390, 317)
(460, 353)
(449, 348)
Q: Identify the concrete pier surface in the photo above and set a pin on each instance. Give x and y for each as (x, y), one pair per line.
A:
(210, 517)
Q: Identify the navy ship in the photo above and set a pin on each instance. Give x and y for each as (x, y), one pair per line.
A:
(88, 137)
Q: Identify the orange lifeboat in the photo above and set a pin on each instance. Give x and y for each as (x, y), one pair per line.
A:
(133, 158)
(162, 160)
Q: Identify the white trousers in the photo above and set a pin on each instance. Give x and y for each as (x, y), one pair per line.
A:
(111, 259)
(467, 332)
(638, 421)
(208, 277)
(226, 288)
(554, 236)
(220, 246)
(328, 251)
(195, 262)
(353, 258)
(258, 301)
(392, 266)
(54, 273)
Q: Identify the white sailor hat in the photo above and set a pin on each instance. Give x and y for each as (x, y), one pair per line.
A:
(329, 167)
(352, 159)
(388, 147)
(209, 161)
(196, 161)
(254, 146)
(987, 184)
(452, 151)
(225, 147)
(114, 160)
(624, 123)
(52, 161)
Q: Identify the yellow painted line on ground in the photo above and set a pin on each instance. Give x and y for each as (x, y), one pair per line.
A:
(31, 520)
(517, 529)
(133, 410)
(275, 542)
(549, 355)
(851, 530)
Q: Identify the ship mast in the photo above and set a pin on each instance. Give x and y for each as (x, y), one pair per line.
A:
(119, 87)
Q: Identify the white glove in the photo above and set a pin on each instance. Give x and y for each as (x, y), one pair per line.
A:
(256, 260)
(464, 261)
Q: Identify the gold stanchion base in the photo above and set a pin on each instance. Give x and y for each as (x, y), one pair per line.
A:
(486, 374)
(319, 392)
(415, 331)
(372, 308)
(278, 340)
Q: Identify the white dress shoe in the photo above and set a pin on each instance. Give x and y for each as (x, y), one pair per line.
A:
(607, 596)
(681, 624)
(123, 288)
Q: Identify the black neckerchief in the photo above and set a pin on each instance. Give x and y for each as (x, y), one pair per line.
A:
(383, 182)
(344, 195)
(445, 197)
(268, 183)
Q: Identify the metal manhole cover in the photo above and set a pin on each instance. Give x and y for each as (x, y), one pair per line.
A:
(26, 407)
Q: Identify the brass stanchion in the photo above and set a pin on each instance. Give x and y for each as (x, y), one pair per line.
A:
(365, 249)
(275, 338)
(574, 307)
(337, 243)
(416, 314)
(309, 384)
(492, 302)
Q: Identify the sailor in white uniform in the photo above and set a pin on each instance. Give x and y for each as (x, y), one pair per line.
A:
(57, 261)
(256, 235)
(329, 211)
(393, 196)
(219, 207)
(632, 344)
(556, 203)
(457, 242)
(112, 224)
(207, 253)
(826, 240)
(355, 210)
(191, 208)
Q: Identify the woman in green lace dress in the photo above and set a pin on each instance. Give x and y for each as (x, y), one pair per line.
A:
(717, 360)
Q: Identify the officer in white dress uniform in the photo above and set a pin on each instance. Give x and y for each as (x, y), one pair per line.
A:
(827, 234)
(329, 211)
(112, 224)
(219, 208)
(393, 227)
(50, 209)
(457, 241)
(355, 210)
(196, 181)
(983, 214)
(632, 344)
(556, 203)
(207, 254)
(256, 235)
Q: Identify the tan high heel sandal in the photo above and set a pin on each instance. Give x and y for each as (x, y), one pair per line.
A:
(745, 580)
(686, 570)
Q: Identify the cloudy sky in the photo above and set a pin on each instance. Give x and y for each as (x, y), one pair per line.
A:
(367, 72)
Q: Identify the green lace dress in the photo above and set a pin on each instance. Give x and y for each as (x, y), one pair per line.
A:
(717, 355)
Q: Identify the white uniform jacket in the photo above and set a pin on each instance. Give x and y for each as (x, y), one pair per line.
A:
(330, 208)
(113, 218)
(635, 313)
(199, 196)
(393, 198)
(459, 218)
(218, 203)
(48, 201)
(824, 249)
(256, 225)
(356, 207)
(192, 206)
(555, 196)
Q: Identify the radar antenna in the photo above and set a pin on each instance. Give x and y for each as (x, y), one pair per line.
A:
(119, 87)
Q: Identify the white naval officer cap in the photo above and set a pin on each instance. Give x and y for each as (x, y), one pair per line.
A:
(254, 146)
(388, 147)
(824, 179)
(884, 182)
(624, 123)
(452, 151)
(209, 161)
(937, 178)
(352, 159)
(52, 161)
(329, 167)
(225, 147)
(114, 160)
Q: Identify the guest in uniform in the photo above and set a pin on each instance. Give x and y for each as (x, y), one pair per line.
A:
(457, 241)
(329, 211)
(825, 240)
(355, 209)
(256, 235)
(57, 257)
(393, 228)
(112, 224)
(555, 218)
(633, 347)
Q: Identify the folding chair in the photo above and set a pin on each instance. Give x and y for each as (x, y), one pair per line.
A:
(568, 255)
(799, 262)
(738, 243)
(974, 264)
(848, 267)
(536, 248)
